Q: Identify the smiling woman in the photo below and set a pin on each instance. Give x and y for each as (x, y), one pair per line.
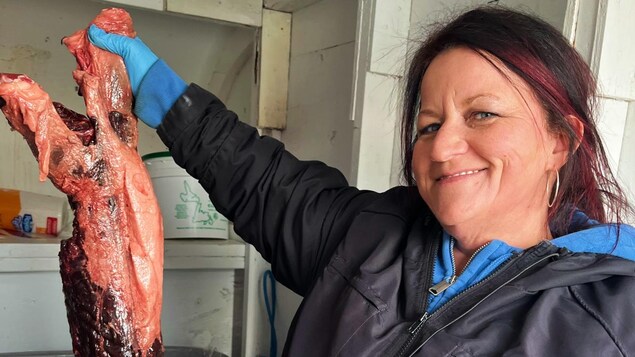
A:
(478, 155)
(538, 63)
(499, 244)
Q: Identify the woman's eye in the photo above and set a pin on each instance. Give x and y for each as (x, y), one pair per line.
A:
(483, 115)
(429, 129)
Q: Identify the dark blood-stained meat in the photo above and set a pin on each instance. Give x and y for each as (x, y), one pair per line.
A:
(79, 123)
(112, 267)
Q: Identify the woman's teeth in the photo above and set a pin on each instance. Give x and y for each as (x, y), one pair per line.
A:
(462, 173)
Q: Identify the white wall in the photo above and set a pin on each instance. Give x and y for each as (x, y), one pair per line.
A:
(380, 60)
(626, 171)
(613, 61)
(424, 12)
(320, 82)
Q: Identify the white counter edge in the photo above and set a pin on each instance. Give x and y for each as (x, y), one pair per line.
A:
(32, 255)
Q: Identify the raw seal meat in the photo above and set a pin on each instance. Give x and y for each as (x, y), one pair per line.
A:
(112, 267)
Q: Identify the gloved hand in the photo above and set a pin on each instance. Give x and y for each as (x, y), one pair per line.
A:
(155, 86)
(137, 57)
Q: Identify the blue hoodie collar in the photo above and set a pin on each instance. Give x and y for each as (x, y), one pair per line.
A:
(598, 238)
(613, 239)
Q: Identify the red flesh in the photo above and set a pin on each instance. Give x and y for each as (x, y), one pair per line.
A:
(112, 267)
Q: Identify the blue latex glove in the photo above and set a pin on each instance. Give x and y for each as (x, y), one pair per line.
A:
(137, 57)
(155, 85)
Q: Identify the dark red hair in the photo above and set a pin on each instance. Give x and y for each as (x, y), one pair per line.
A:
(559, 77)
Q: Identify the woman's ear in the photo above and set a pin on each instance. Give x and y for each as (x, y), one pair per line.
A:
(578, 129)
(561, 149)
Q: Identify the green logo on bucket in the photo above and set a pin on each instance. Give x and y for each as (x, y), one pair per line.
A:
(193, 208)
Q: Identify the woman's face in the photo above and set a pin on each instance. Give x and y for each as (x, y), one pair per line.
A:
(483, 152)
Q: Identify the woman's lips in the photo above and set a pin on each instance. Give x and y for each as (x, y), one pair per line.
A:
(460, 174)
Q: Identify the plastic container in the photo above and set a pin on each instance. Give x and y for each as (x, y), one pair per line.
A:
(186, 207)
(28, 212)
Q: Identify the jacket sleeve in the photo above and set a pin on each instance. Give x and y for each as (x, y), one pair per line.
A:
(294, 212)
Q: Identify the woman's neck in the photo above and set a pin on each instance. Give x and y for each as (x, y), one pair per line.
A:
(524, 235)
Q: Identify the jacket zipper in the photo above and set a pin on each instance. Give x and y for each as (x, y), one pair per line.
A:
(444, 284)
(430, 274)
(426, 316)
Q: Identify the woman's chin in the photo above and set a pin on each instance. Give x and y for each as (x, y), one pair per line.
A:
(455, 216)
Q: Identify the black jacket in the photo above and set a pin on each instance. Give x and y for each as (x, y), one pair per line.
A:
(363, 260)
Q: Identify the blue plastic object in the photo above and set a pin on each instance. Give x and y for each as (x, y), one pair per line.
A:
(271, 311)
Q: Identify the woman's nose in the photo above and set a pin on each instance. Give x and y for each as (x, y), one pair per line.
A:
(449, 141)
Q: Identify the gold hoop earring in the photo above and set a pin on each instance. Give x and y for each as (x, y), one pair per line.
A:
(555, 195)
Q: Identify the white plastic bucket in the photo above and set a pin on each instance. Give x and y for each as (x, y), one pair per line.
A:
(186, 207)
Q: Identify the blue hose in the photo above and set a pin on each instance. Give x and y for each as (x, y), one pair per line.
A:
(271, 311)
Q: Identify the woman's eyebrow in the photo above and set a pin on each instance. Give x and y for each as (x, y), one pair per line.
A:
(471, 99)
(428, 112)
(467, 101)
